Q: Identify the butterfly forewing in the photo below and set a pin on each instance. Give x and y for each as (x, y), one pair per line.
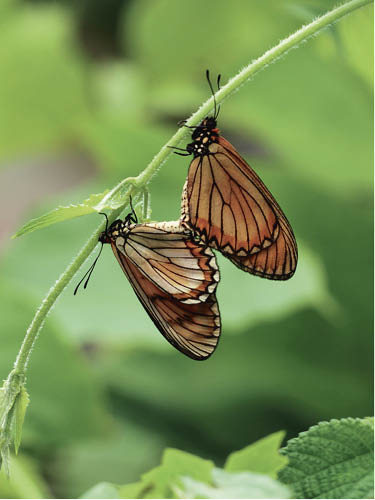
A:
(193, 328)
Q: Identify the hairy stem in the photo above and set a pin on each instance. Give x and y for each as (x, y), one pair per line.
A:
(13, 384)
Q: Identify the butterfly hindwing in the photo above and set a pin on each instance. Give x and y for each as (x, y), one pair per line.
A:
(172, 261)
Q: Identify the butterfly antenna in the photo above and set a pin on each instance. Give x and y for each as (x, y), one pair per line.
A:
(133, 211)
(106, 221)
(218, 88)
(90, 270)
(216, 110)
(88, 273)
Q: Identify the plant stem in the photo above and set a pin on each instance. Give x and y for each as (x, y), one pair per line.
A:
(137, 184)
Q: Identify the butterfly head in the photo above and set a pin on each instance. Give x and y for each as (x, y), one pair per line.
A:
(209, 123)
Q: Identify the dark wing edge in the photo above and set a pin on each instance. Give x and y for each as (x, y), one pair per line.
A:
(277, 262)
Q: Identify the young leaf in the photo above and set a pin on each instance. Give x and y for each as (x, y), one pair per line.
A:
(332, 460)
(60, 214)
(102, 490)
(262, 456)
(133, 490)
(175, 463)
(235, 485)
(19, 415)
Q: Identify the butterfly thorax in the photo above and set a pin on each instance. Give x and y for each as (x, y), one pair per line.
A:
(117, 229)
(203, 136)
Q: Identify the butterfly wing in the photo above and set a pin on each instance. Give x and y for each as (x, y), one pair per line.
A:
(227, 205)
(174, 263)
(190, 325)
(277, 262)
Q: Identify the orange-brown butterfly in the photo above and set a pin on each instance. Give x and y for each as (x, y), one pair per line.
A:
(227, 206)
(174, 278)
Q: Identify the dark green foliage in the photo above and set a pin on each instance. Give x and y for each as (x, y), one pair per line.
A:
(332, 460)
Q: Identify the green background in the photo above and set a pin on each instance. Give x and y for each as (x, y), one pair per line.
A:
(89, 92)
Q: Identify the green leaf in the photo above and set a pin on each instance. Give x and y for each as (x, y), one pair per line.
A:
(102, 490)
(132, 490)
(333, 459)
(175, 463)
(238, 485)
(93, 204)
(262, 456)
(21, 404)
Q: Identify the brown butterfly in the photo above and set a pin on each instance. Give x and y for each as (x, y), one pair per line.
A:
(227, 207)
(174, 278)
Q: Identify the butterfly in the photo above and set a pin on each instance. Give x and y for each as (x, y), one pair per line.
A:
(174, 278)
(226, 206)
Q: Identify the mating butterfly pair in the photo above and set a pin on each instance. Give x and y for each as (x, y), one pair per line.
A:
(170, 265)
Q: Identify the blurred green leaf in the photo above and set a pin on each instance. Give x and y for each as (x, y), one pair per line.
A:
(253, 29)
(21, 405)
(131, 490)
(351, 41)
(120, 456)
(102, 490)
(332, 460)
(25, 481)
(235, 485)
(315, 115)
(262, 456)
(43, 96)
(308, 287)
(119, 91)
(175, 463)
(120, 146)
(357, 37)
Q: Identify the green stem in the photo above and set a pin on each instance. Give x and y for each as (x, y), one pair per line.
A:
(13, 384)
(145, 203)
